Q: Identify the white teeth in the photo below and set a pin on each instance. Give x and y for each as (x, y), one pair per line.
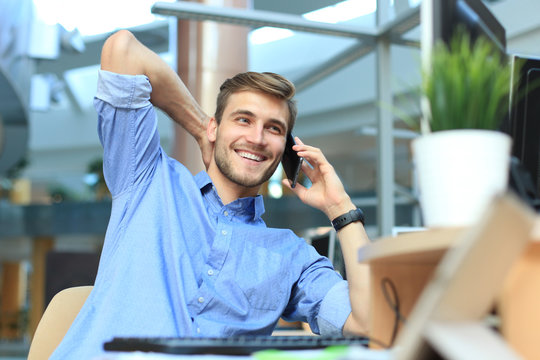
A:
(250, 156)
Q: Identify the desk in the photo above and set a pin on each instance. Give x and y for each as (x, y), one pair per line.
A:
(518, 304)
(409, 260)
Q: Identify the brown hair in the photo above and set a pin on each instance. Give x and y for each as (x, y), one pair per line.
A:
(266, 82)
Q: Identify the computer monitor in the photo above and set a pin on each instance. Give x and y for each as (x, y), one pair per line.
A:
(441, 18)
(524, 127)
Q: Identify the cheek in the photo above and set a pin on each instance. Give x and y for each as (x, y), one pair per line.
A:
(279, 149)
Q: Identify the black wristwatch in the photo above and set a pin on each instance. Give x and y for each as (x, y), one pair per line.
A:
(347, 218)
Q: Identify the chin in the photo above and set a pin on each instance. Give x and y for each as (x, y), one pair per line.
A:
(250, 181)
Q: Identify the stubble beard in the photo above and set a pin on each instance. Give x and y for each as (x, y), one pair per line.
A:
(226, 168)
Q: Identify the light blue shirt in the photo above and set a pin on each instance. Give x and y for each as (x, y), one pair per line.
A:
(176, 261)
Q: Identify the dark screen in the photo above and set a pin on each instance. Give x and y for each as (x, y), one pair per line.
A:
(525, 118)
(291, 161)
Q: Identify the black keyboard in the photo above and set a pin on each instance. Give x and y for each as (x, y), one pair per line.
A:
(235, 345)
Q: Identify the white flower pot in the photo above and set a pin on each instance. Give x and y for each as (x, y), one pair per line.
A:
(459, 172)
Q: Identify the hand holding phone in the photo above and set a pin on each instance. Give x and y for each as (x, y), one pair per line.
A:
(291, 162)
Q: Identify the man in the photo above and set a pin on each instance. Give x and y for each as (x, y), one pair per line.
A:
(190, 255)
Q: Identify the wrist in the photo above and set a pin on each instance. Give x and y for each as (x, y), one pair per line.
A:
(200, 132)
(339, 209)
(355, 215)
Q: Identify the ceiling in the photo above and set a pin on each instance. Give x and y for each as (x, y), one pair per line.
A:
(297, 7)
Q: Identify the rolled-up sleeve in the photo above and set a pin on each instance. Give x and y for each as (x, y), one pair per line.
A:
(123, 91)
(334, 310)
(320, 296)
(127, 129)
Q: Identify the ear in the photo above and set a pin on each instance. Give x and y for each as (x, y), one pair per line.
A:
(211, 130)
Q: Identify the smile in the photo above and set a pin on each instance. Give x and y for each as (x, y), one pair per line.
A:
(251, 156)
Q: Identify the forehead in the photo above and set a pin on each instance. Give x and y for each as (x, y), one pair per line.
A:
(261, 105)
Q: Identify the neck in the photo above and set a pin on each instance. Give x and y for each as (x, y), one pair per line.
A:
(228, 190)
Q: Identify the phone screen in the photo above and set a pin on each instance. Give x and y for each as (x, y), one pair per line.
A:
(292, 163)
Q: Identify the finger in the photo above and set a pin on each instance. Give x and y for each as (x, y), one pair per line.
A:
(298, 190)
(300, 146)
(308, 169)
(312, 154)
(311, 165)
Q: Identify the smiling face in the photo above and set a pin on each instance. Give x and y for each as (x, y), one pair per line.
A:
(248, 142)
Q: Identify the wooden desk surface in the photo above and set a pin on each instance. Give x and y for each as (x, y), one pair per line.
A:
(408, 261)
(414, 247)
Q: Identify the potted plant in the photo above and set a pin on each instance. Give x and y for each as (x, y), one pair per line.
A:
(461, 160)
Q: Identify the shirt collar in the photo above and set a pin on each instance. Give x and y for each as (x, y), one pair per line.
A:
(252, 207)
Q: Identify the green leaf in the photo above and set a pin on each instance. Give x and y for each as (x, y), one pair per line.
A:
(467, 85)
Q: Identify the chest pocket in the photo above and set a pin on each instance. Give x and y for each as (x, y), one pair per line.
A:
(262, 278)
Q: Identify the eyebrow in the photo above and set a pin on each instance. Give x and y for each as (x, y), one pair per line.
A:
(243, 112)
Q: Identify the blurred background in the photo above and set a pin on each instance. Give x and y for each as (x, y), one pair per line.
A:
(54, 204)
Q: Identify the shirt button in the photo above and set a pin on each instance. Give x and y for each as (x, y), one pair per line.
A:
(210, 272)
(201, 299)
(226, 213)
(223, 232)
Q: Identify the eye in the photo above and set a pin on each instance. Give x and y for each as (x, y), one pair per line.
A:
(275, 129)
(243, 120)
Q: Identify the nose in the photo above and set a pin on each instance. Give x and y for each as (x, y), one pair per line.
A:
(256, 135)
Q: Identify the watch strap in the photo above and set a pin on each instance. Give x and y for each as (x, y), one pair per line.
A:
(347, 218)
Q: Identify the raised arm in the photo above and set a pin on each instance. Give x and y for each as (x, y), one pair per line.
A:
(328, 195)
(122, 53)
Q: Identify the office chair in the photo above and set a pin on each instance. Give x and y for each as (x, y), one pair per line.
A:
(56, 321)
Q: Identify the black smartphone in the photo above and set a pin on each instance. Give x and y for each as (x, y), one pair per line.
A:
(292, 163)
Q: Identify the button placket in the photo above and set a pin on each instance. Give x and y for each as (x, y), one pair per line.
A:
(220, 248)
(214, 264)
